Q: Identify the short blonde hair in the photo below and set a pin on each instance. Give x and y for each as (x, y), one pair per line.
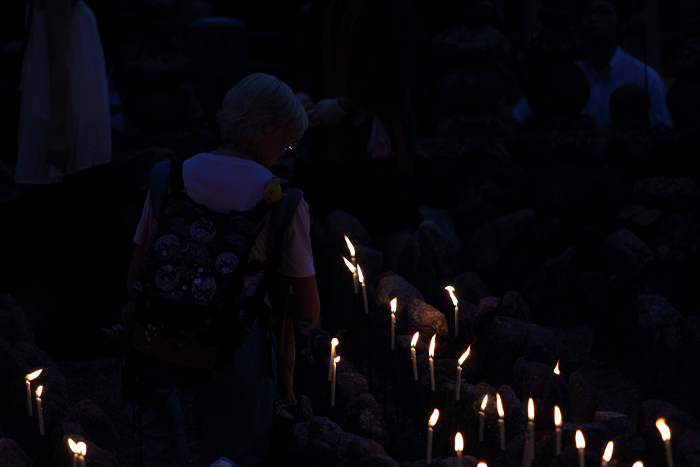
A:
(256, 100)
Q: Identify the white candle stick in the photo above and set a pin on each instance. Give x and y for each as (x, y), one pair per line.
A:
(39, 410)
(413, 356)
(82, 452)
(531, 425)
(581, 446)
(459, 447)
(431, 353)
(607, 455)
(352, 266)
(431, 423)
(557, 427)
(461, 360)
(353, 263)
(393, 323)
(335, 364)
(364, 288)
(334, 343)
(481, 417)
(28, 386)
(501, 421)
(666, 436)
(451, 290)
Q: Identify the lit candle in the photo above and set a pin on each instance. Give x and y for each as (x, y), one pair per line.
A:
(39, 410)
(556, 369)
(581, 446)
(431, 354)
(353, 262)
(413, 356)
(501, 422)
(607, 455)
(638, 464)
(531, 425)
(431, 423)
(481, 464)
(353, 270)
(393, 323)
(451, 290)
(334, 343)
(481, 417)
(28, 385)
(82, 451)
(459, 371)
(459, 447)
(557, 427)
(364, 288)
(666, 436)
(335, 364)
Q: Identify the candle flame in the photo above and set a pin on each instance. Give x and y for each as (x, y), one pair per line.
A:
(484, 402)
(481, 464)
(663, 429)
(499, 406)
(82, 448)
(557, 416)
(608, 452)
(530, 409)
(459, 442)
(71, 444)
(556, 369)
(464, 355)
(638, 464)
(359, 273)
(336, 359)
(414, 340)
(350, 247)
(393, 305)
(334, 341)
(349, 264)
(39, 390)
(434, 417)
(451, 290)
(580, 441)
(431, 351)
(33, 375)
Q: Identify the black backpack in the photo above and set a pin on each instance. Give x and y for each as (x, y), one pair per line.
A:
(191, 298)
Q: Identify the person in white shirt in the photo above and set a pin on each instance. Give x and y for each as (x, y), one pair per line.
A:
(609, 67)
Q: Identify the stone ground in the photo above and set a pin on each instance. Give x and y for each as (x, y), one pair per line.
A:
(98, 379)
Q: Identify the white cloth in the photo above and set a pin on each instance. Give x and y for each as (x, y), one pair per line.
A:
(224, 183)
(88, 99)
(622, 69)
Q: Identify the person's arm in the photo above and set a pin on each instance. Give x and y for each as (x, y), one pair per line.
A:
(136, 258)
(306, 300)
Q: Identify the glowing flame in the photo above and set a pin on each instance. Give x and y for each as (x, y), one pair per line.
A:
(350, 247)
(434, 417)
(459, 442)
(334, 341)
(336, 359)
(556, 369)
(431, 351)
(481, 464)
(39, 390)
(484, 402)
(349, 265)
(465, 355)
(82, 448)
(359, 273)
(607, 455)
(580, 441)
(451, 290)
(414, 340)
(393, 305)
(663, 429)
(638, 464)
(530, 409)
(33, 375)
(557, 416)
(71, 444)
(499, 406)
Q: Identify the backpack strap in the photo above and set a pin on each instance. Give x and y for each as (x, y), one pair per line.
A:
(160, 183)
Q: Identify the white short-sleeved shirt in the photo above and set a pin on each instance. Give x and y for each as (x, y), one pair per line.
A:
(622, 69)
(224, 183)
